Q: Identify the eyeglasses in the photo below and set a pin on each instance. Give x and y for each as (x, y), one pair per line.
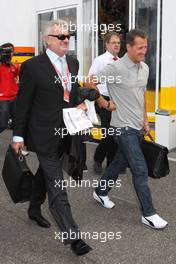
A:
(61, 36)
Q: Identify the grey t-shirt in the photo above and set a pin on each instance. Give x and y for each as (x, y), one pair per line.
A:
(126, 82)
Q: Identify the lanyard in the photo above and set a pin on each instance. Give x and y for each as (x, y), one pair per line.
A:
(65, 83)
(64, 79)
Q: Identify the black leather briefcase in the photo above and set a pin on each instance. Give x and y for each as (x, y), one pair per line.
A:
(156, 159)
(17, 176)
(73, 158)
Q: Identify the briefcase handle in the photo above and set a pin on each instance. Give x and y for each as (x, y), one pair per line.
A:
(20, 156)
(150, 136)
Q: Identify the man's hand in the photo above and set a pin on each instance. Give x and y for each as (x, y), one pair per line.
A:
(146, 128)
(103, 103)
(17, 146)
(82, 106)
(112, 106)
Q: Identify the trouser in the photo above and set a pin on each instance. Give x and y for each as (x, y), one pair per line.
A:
(38, 195)
(7, 109)
(50, 169)
(129, 154)
(106, 147)
(49, 178)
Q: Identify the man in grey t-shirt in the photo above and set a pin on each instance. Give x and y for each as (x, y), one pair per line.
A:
(127, 79)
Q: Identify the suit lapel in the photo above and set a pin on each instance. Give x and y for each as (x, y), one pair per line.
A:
(74, 84)
(49, 69)
(70, 65)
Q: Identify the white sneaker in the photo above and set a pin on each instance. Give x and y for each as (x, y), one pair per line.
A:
(104, 200)
(154, 221)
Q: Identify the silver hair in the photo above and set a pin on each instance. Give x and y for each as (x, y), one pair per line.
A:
(52, 23)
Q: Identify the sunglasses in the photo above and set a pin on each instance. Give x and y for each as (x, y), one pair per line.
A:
(60, 37)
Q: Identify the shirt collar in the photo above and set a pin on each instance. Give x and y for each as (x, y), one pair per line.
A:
(53, 56)
(130, 63)
(109, 55)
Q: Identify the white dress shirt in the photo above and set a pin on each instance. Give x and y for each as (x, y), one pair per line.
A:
(98, 64)
(57, 61)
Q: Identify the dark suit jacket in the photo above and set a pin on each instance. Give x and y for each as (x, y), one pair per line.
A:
(40, 103)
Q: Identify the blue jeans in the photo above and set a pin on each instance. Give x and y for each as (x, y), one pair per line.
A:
(7, 109)
(129, 154)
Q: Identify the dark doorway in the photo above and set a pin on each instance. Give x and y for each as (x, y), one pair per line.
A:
(113, 12)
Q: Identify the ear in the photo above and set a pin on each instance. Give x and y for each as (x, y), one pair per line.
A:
(128, 46)
(46, 39)
(106, 45)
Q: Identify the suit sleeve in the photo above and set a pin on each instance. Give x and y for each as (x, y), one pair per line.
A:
(24, 100)
(74, 95)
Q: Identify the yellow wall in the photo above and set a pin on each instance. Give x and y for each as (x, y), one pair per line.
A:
(150, 101)
(167, 99)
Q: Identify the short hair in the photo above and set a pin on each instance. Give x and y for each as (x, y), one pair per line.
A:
(109, 35)
(134, 33)
(7, 45)
(50, 24)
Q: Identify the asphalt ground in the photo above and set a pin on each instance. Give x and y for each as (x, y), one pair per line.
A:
(117, 236)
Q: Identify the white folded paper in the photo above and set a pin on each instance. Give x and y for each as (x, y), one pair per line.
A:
(91, 113)
(76, 120)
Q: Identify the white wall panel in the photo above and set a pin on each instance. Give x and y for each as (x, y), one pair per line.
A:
(168, 69)
(17, 20)
(50, 4)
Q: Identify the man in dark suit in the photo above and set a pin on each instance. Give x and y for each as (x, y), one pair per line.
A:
(44, 90)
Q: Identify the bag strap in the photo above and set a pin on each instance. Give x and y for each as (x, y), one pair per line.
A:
(150, 136)
(20, 156)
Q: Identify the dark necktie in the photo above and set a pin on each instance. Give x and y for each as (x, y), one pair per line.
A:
(115, 58)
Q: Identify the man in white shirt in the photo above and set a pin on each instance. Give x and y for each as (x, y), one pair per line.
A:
(106, 147)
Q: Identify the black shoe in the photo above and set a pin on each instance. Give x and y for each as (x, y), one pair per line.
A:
(98, 167)
(40, 220)
(80, 248)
